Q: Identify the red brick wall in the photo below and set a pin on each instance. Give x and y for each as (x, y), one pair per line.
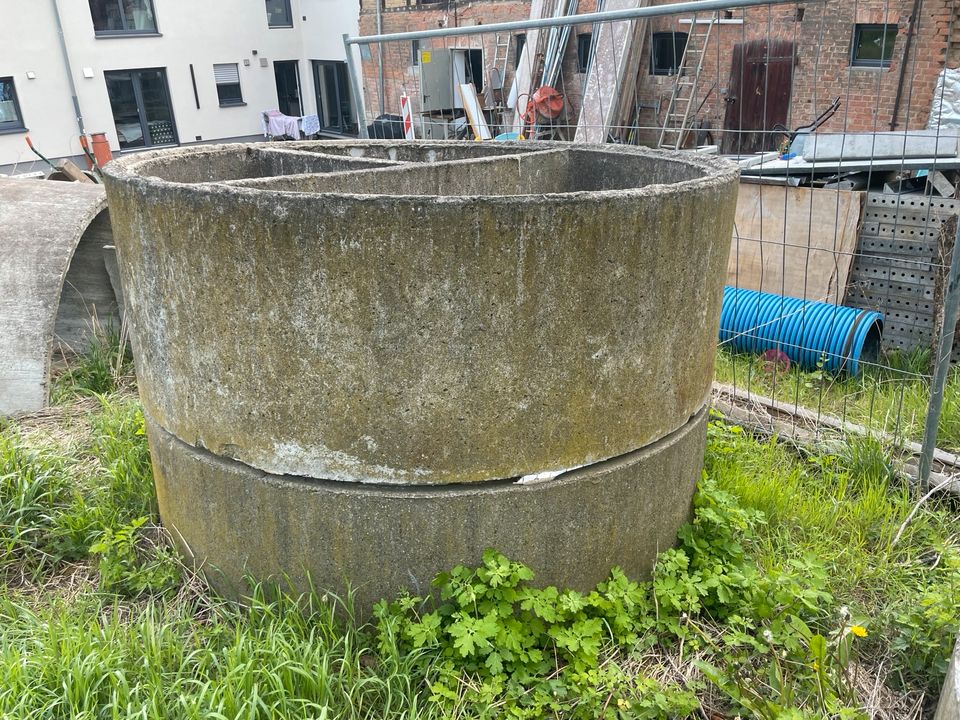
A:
(822, 37)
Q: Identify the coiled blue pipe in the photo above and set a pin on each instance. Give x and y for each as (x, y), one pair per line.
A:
(811, 334)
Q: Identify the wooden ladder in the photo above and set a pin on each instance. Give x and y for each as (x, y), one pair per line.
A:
(680, 115)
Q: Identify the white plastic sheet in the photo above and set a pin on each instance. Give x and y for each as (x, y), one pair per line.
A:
(945, 109)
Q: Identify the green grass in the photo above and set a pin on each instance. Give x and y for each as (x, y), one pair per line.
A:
(106, 365)
(890, 399)
(99, 620)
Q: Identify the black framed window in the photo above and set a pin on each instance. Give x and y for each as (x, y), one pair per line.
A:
(584, 43)
(122, 17)
(10, 118)
(666, 52)
(140, 100)
(519, 41)
(279, 14)
(872, 45)
(227, 77)
(331, 83)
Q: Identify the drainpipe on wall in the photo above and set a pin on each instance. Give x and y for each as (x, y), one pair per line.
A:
(380, 52)
(911, 30)
(66, 63)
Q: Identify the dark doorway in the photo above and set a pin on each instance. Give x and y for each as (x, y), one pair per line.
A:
(334, 106)
(140, 101)
(287, 74)
(761, 82)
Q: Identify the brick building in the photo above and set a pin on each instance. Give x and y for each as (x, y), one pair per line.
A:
(763, 67)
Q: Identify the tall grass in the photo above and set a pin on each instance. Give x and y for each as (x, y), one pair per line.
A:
(104, 366)
(891, 399)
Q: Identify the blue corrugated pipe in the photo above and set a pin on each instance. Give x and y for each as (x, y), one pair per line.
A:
(811, 334)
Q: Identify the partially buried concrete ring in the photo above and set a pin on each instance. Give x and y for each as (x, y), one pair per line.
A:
(368, 361)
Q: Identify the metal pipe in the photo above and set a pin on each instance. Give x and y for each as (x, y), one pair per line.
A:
(356, 84)
(911, 31)
(951, 313)
(66, 62)
(697, 6)
(380, 52)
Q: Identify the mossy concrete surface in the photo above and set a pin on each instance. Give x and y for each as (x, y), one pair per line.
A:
(368, 362)
(235, 521)
(513, 309)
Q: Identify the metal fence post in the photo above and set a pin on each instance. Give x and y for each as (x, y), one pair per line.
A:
(356, 85)
(951, 311)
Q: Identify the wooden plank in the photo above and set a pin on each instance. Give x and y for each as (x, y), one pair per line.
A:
(471, 106)
(69, 168)
(789, 422)
(612, 44)
(783, 244)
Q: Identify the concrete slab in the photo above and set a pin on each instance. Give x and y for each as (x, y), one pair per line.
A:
(881, 145)
(52, 278)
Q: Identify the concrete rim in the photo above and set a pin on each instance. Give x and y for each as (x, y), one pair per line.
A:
(714, 171)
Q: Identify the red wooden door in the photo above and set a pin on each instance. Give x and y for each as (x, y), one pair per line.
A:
(758, 96)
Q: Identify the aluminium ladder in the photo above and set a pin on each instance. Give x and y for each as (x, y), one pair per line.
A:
(498, 68)
(679, 118)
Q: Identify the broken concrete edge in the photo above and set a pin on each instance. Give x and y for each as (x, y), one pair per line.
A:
(949, 706)
(234, 522)
(32, 374)
(716, 171)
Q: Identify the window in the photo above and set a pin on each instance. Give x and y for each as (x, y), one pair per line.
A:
(121, 17)
(519, 41)
(415, 52)
(10, 118)
(584, 41)
(666, 52)
(278, 14)
(873, 45)
(227, 77)
(140, 101)
(331, 84)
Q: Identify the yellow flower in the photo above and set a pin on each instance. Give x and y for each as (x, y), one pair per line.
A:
(858, 630)
(815, 665)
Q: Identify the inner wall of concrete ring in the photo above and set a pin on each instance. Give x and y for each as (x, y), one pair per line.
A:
(427, 339)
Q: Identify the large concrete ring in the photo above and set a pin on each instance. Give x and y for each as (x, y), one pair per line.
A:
(570, 530)
(374, 359)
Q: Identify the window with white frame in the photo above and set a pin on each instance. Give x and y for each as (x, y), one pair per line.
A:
(227, 77)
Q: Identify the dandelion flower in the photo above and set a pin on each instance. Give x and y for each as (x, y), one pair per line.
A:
(858, 630)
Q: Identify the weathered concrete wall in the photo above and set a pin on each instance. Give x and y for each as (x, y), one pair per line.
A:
(571, 530)
(949, 705)
(52, 277)
(463, 317)
(402, 338)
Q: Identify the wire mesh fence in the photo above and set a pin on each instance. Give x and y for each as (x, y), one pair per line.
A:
(841, 117)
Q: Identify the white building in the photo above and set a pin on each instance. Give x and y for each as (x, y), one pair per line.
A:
(151, 73)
